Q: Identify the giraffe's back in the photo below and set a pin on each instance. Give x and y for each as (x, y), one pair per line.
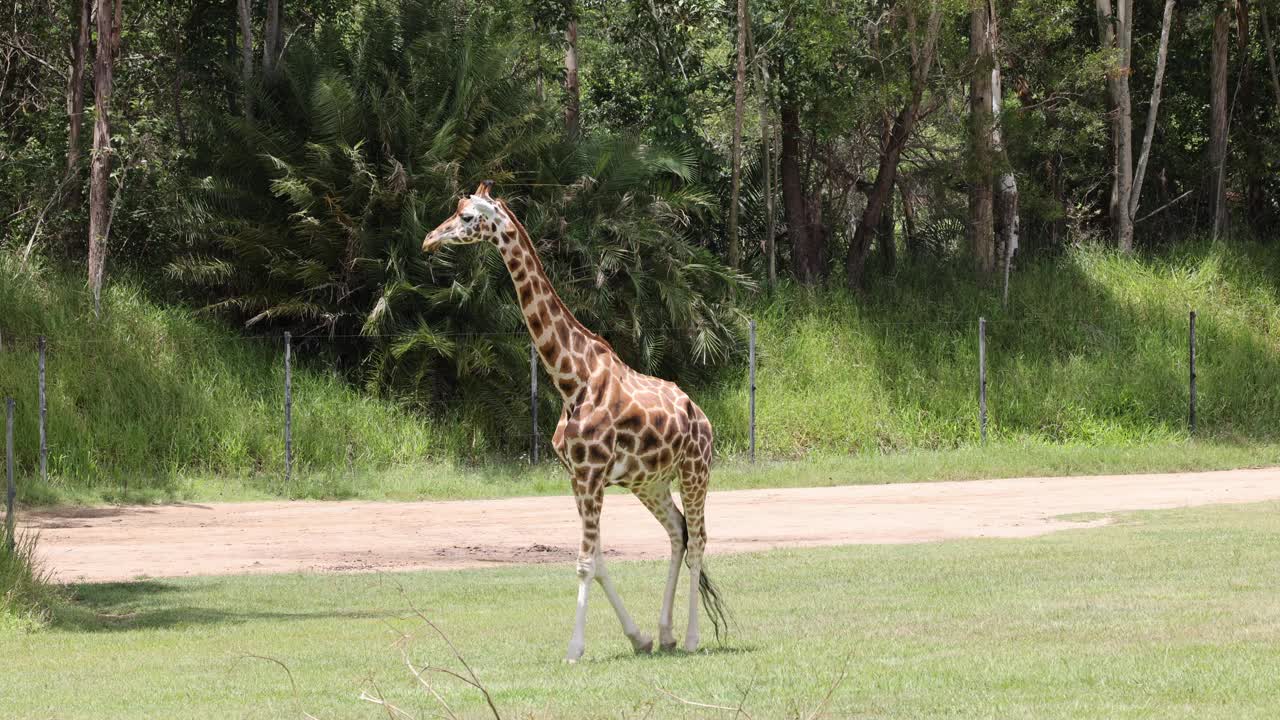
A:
(632, 428)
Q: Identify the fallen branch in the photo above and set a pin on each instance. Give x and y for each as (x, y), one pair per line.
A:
(1164, 207)
(57, 194)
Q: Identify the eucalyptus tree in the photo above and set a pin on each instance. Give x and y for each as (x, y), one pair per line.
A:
(921, 45)
(110, 17)
(1115, 30)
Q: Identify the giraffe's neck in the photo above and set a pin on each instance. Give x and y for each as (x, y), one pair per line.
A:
(567, 348)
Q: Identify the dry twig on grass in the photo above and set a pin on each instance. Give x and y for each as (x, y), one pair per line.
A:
(826, 699)
(393, 712)
(738, 711)
(470, 678)
(288, 673)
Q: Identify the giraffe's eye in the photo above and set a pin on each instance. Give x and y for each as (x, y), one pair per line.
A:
(468, 217)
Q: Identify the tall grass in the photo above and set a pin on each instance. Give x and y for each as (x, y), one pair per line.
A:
(26, 596)
(150, 393)
(1091, 350)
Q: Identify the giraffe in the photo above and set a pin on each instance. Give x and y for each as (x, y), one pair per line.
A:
(616, 427)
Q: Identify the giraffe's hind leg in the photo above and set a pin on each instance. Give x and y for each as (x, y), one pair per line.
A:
(656, 495)
(642, 642)
(695, 474)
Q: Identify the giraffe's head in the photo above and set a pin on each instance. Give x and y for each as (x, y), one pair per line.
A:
(478, 218)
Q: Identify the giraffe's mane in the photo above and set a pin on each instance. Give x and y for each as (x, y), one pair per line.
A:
(523, 236)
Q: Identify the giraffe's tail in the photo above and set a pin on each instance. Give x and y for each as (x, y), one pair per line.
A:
(712, 601)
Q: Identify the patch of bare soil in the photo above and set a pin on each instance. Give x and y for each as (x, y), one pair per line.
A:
(111, 544)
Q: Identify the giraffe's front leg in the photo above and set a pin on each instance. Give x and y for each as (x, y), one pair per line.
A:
(589, 505)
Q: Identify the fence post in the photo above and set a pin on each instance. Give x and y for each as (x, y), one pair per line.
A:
(533, 402)
(44, 445)
(751, 364)
(288, 407)
(12, 489)
(982, 377)
(1192, 349)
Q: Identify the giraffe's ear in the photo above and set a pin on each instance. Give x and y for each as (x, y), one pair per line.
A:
(485, 187)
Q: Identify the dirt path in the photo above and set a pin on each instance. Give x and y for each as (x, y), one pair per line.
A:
(120, 543)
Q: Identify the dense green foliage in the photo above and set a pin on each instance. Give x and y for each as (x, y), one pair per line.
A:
(150, 393)
(293, 195)
(312, 217)
(1092, 350)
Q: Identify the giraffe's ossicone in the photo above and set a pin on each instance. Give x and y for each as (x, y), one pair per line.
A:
(617, 427)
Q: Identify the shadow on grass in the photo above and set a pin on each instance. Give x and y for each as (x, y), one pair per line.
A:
(706, 650)
(155, 605)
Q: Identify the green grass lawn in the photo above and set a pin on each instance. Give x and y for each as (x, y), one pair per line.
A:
(1165, 614)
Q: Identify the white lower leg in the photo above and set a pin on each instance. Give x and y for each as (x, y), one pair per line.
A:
(666, 636)
(578, 641)
(691, 634)
(640, 641)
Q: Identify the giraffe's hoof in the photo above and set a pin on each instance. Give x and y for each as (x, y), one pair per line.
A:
(574, 654)
(643, 644)
(691, 645)
(669, 646)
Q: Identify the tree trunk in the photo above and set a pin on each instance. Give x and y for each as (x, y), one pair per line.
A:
(910, 240)
(537, 55)
(739, 109)
(246, 55)
(766, 159)
(75, 85)
(1153, 111)
(885, 240)
(766, 142)
(981, 127)
(1218, 119)
(272, 39)
(179, 124)
(100, 173)
(1008, 217)
(804, 252)
(903, 124)
(1271, 53)
(1115, 28)
(572, 102)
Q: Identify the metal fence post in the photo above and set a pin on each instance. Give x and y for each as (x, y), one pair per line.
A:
(44, 445)
(1191, 413)
(982, 377)
(288, 407)
(751, 364)
(533, 402)
(12, 489)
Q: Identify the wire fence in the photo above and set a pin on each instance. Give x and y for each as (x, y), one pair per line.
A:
(528, 428)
